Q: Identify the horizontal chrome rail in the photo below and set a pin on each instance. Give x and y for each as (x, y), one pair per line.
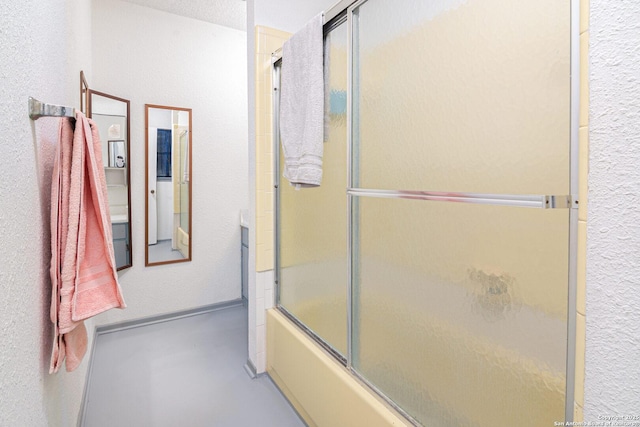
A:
(527, 201)
(39, 109)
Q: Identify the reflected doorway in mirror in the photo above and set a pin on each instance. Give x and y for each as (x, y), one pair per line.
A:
(168, 185)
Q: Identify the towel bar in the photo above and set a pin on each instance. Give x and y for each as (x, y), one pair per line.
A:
(39, 109)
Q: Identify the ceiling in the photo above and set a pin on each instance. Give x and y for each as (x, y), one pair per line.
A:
(229, 13)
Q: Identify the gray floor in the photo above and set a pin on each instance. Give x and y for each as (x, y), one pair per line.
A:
(162, 251)
(186, 372)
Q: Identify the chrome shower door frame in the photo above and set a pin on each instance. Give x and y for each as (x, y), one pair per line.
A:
(569, 201)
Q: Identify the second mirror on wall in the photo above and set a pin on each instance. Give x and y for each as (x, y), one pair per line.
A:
(168, 185)
(111, 115)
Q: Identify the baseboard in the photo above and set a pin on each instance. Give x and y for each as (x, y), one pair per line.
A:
(250, 369)
(144, 321)
(87, 382)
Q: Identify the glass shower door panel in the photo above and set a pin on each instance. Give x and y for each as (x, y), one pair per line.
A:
(313, 224)
(456, 95)
(460, 310)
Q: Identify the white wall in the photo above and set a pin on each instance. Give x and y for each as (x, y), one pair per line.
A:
(612, 369)
(44, 46)
(149, 56)
(287, 15)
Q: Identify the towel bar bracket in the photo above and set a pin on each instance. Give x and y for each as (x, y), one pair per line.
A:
(39, 109)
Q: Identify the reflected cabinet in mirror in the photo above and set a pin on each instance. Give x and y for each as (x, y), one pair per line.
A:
(168, 184)
(111, 115)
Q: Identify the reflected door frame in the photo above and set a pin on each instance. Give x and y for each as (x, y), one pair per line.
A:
(152, 171)
(88, 104)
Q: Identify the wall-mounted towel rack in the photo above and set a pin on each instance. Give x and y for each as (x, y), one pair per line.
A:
(39, 109)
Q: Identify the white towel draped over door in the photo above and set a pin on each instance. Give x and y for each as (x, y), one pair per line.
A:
(302, 105)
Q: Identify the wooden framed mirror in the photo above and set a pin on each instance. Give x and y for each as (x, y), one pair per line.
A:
(111, 115)
(84, 93)
(168, 232)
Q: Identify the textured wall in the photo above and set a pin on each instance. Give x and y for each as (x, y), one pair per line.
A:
(612, 378)
(148, 56)
(44, 46)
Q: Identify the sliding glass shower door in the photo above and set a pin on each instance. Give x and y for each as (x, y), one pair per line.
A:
(435, 260)
(313, 222)
(460, 147)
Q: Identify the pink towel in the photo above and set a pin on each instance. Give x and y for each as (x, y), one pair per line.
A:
(83, 269)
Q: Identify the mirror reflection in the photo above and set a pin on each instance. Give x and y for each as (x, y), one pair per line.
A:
(111, 115)
(168, 189)
(84, 94)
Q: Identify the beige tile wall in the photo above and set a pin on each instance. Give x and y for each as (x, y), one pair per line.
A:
(583, 172)
(268, 40)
